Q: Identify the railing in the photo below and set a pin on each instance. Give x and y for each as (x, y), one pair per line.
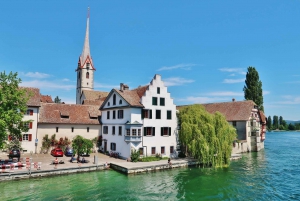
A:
(133, 138)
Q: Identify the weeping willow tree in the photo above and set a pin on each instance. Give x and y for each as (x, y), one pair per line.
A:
(207, 137)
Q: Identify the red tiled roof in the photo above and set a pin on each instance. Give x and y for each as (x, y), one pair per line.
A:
(77, 114)
(130, 96)
(263, 118)
(93, 102)
(94, 95)
(141, 90)
(233, 111)
(34, 99)
(46, 99)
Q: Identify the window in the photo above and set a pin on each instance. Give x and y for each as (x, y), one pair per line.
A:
(149, 131)
(114, 114)
(158, 90)
(162, 101)
(113, 146)
(133, 131)
(114, 99)
(87, 75)
(120, 130)
(169, 114)
(29, 112)
(57, 129)
(88, 66)
(146, 113)
(127, 131)
(171, 149)
(120, 102)
(87, 129)
(154, 100)
(27, 137)
(120, 114)
(108, 114)
(105, 129)
(162, 150)
(153, 151)
(72, 129)
(28, 125)
(108, 104)
(141, 151)
(165, 131)
(139, 132)
(234, 123)
(157, 114)
(113, 130)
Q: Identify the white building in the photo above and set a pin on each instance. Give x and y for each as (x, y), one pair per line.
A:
(143, 119)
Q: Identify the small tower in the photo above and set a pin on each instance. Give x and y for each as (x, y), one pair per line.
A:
(85, 69)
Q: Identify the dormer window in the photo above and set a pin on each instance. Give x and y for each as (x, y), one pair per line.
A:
(108, 104)
(64, 117)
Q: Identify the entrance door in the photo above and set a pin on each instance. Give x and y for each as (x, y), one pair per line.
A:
(105, 147)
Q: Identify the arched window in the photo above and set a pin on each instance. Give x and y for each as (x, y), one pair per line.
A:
(87, 75)
(120, 102)
(114, 99)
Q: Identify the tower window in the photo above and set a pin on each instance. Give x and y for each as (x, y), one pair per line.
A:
(87, 75)
(88, 66)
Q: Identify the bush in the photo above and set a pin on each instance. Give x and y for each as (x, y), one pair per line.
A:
(150, 158)
(135, 154)
(181, 155)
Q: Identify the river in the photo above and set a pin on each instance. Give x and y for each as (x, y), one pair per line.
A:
(271, 174)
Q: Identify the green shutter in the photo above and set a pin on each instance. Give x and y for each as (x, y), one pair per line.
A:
(169, 131)
(153, 131)
(150, 117)
(162, 131)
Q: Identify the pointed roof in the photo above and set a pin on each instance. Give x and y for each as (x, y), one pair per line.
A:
(85, 56)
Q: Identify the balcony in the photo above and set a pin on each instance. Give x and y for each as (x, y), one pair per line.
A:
(131, 138)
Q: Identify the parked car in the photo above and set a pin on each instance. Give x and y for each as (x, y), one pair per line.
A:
(14, 153)
(69, 151)
(57, 152)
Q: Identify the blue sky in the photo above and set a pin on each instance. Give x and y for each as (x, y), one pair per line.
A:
(201, 48)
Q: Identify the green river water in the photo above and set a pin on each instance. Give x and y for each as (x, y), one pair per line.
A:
(272, 174)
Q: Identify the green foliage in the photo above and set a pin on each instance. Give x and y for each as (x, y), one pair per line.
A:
(181, 155)
(81, 145)
(149, 159)
(12, 108)
(63, 143)
(135, 154)
(275, 122)
(206, 137)
(57, 100)
(253, 88)
(269, 123)
(46, 144)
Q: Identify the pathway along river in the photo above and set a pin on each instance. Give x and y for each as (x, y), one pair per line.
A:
(272, 174)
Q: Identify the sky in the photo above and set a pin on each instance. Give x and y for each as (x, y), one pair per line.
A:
(202, 49)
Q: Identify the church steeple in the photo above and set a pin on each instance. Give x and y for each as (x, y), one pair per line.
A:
(85, 69)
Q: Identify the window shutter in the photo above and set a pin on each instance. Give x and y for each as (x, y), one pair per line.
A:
(162, 131)
(143, 115)
(31, 112)
(150, 115)
(21, 138)
(145, 131)
(153, 131)
(30, 125)
(169, 131)
(30, 137)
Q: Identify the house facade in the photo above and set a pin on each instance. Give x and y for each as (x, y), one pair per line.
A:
(142, 119)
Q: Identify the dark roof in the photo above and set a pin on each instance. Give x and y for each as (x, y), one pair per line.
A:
(76, 114)
(34, 99)
(233, 111)
(46, 99)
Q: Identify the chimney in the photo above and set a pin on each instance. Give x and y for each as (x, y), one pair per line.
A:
(123, 87)
(233, 100)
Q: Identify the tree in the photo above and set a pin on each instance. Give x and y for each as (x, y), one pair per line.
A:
(291, 127)
(57, 100)
(275, 122)
(81, 145)
(280, 120)
(207, 137)
(269, 123)
(13, 106)
(253, 88)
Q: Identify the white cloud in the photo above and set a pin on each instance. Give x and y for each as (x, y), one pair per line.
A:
(176, 81)
(47, 85)
(289, 100)
(225, 93)
(36, 75)
(106, 86)
(180, 66)
(233, 70)
(232, 81)
(201, 99)
(266, 92)
(66, 80)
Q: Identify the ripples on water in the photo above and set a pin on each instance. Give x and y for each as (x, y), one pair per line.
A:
(272, 174)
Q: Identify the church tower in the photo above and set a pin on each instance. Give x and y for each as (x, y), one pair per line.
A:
(85, 69)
